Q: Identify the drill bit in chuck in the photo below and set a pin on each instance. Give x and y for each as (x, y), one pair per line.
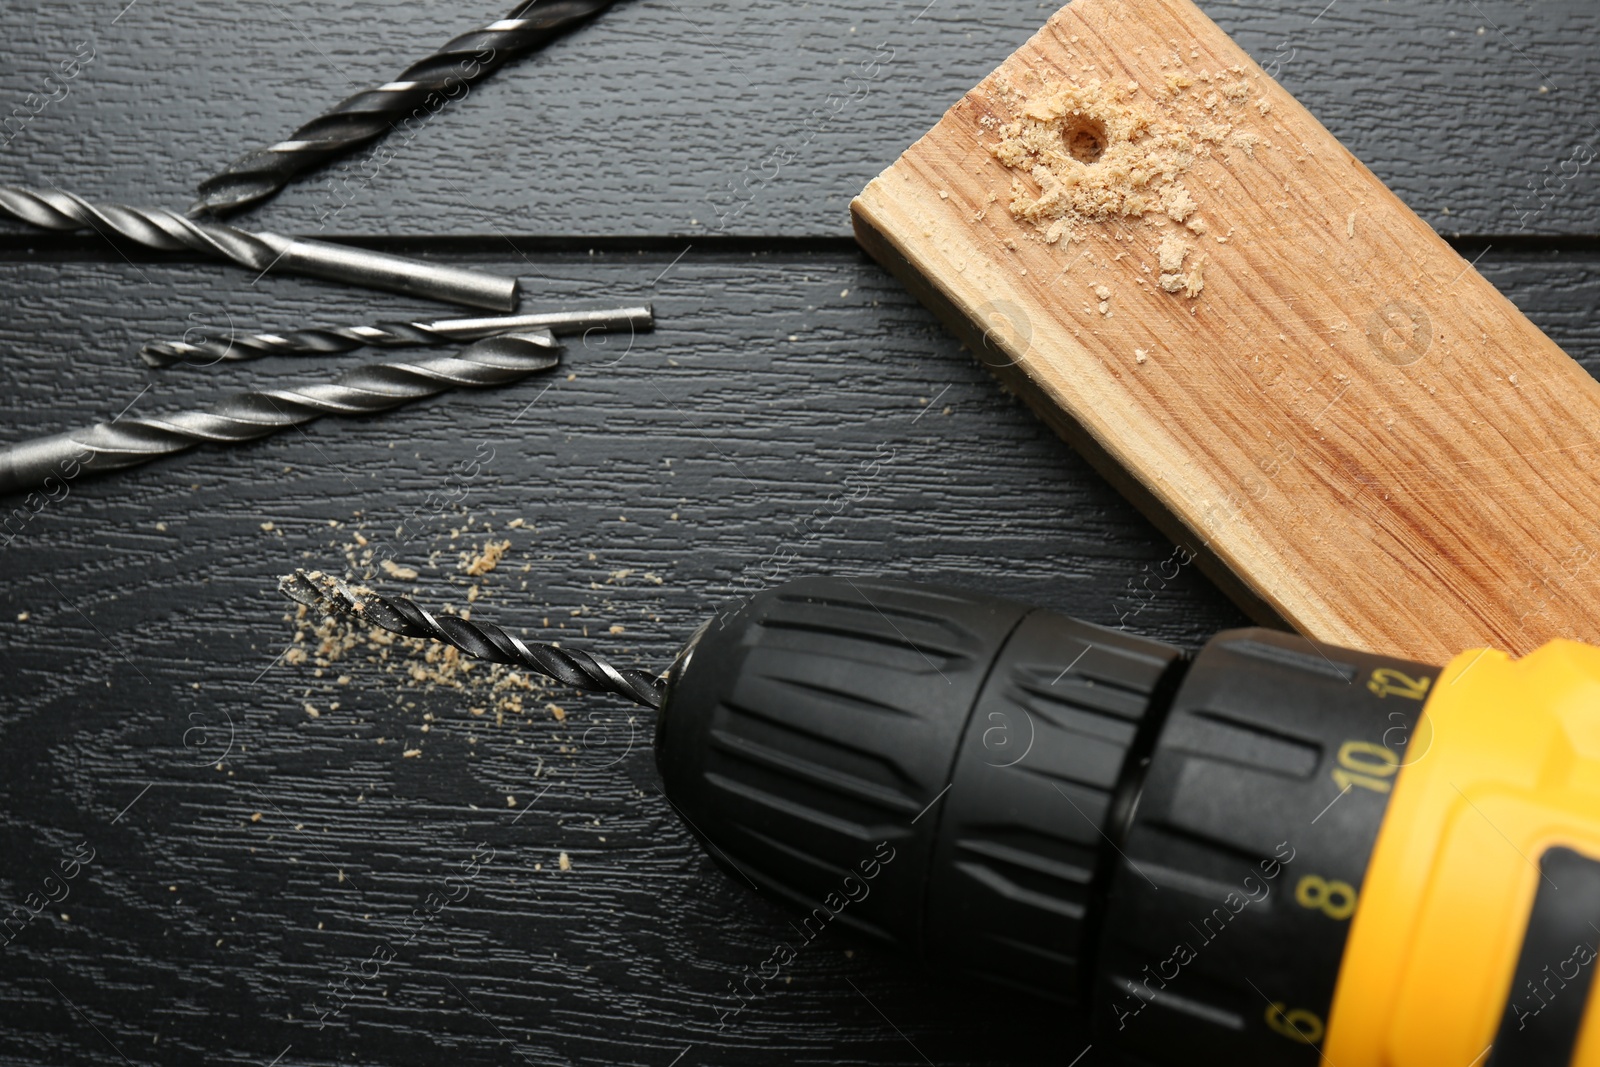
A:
(482, 640)
(167, 231)
(329, 340)
(125, 442)
(422, 89)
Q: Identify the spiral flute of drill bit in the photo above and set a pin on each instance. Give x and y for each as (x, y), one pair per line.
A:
(125, 442)
(422, 88)
(164, 231)
(330, 340)
(481, 640)
(167, 231)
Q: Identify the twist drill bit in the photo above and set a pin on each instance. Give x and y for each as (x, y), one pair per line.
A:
(482, 640)
(328, 340)
(422, 89)
(125, 442)
(167, 231)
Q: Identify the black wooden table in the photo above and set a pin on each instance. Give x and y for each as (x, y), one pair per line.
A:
(256, 869)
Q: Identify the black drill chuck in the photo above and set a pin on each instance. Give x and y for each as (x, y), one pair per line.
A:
(1084, 815)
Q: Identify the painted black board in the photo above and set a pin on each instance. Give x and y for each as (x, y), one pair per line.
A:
(706, 116)
(149, 654)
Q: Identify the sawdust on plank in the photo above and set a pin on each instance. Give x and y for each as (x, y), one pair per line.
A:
(1170, 254)
(1086, 152)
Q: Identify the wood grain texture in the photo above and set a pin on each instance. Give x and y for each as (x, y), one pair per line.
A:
(1348, 420)
(596, 136)
(137, 635)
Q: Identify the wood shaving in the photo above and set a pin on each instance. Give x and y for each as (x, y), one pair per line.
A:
(486, 560)
(1245, 141)
(1171, 254)
(394, 570)
(1193, 283)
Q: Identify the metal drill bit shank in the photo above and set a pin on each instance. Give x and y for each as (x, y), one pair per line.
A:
(421, 89)
(481, 640)
(167, 231)
(327, 340)
(125, 442)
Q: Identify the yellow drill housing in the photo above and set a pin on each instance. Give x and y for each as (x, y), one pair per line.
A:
(1502, 775)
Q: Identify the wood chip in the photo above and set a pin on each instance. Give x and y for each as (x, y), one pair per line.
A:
(485, 560)
(394, 570)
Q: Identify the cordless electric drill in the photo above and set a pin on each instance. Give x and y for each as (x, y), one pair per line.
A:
(1270, 852)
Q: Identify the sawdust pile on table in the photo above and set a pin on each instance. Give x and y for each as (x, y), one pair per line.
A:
(337, 652)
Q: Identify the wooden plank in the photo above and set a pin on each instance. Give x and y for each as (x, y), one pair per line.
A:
(636, 945)
(1242, 327)
(593, 136)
